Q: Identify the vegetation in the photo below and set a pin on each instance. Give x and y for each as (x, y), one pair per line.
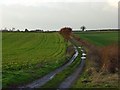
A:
(83, 28)
(66, 32)
(28, 56)
(102, 62)
(57, 80)
(99, 38)
(92, 79)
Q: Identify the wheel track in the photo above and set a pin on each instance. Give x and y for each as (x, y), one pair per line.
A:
(66, 84)
(46, 78)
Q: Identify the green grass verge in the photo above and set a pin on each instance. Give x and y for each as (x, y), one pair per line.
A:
(54, 83)
(27, 56)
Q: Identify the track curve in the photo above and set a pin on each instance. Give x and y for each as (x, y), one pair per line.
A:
(40, 82)
(71, 79)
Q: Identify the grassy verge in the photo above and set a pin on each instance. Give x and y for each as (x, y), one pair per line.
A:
(92, 79)
(54, 83)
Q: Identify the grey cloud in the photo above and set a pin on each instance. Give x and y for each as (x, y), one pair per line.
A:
(51, 17)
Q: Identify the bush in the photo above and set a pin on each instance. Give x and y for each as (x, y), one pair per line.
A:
(66, 32)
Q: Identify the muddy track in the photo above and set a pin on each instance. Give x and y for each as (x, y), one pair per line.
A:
(73, 77)
(40, 82)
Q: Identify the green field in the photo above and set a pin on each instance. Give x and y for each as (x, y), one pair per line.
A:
(28, 56)
(99, 38)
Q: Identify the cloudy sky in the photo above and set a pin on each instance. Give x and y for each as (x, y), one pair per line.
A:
(54, 14)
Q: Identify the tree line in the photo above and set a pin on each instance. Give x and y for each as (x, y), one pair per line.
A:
(26, 30)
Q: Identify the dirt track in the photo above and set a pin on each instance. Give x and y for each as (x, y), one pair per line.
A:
(46, 78)
(71, 79)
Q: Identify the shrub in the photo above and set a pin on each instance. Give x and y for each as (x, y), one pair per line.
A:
(66, 32)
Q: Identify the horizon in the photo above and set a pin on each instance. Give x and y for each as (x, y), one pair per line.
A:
(59, 29)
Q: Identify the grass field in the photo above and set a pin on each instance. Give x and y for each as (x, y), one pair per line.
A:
(99, 38)
(28, 56)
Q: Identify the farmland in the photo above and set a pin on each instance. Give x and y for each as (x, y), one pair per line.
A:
(60, 77)
(105, 50)
(28, 56)
(99, 38)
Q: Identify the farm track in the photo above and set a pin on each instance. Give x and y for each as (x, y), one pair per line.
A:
(69, 80)
(73, 77)
(46, 78)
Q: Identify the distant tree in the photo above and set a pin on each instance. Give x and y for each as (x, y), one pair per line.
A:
(38, 30)
(10, 30)
(83, 28)
(5, 30)
(26, 30)
(13, 29)
(18, 30)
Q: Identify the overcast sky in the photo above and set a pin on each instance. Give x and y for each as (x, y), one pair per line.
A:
(55, 14)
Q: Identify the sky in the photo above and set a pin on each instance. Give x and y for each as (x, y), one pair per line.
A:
(55, 14)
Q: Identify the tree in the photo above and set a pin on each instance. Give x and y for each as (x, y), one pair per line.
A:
(5, 30)
(26, 30)
(13, 29)
(66, 32)
(83, 28)
(18, 30)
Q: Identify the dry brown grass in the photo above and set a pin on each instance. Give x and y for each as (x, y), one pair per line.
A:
(106, 80)
(103, 58)
(109, 58)
(102, 64)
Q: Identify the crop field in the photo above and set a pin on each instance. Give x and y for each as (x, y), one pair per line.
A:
(99, 38)
(27, 56)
